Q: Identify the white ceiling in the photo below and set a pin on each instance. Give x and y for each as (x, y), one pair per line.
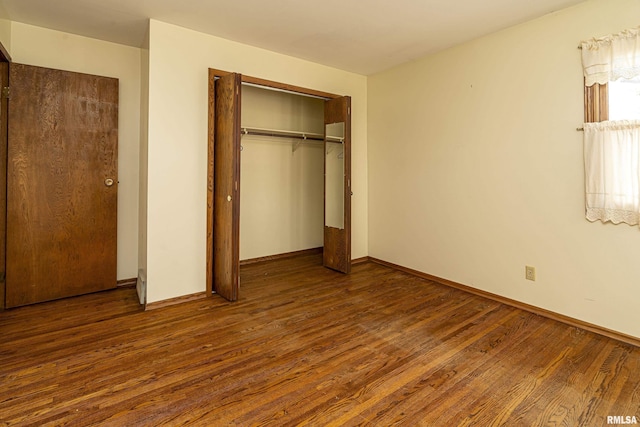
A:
(362, 36)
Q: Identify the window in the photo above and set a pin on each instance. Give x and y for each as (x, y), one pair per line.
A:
(612, 127)
(624, 99)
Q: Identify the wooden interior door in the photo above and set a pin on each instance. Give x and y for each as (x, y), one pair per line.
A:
(226, 187)
(337, 238)
(61, 184)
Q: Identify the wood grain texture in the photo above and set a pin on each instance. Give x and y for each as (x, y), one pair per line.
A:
(276, 85)
(211, 126)
(335, 249)
(305, 345)
(337, 242)
(4, 82)
(226, 187)
(61, 217)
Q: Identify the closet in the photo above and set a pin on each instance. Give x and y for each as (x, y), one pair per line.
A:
(281, 171)
(279, 175)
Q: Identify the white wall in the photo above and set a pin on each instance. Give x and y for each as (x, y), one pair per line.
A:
(281, 182)
(476, 170)
(53, 49)
(177, 165)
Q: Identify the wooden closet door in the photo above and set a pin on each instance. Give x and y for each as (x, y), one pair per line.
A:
(226, 187)
(61, 184)
(337, 239)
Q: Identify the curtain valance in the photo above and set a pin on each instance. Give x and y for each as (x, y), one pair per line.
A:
(611, 57)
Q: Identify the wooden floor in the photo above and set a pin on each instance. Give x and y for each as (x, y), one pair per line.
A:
(308, 346)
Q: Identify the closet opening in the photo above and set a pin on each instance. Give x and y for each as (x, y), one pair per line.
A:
(278, 176)
(281, 173)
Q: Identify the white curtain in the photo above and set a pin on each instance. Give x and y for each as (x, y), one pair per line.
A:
(612, 171)
(612, 57)
(612, 148)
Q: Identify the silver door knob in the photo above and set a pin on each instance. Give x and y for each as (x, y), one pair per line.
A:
(108, 182)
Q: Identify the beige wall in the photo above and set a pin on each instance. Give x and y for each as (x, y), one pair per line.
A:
(177, 151)
(475, 167)
(475, 170)
(53, 49)
(5, 34)
(143, 169)
(281, 183)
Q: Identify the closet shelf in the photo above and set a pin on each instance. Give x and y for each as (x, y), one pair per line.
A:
(312, 136)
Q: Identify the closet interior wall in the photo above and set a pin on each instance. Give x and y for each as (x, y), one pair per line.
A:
(282, 179)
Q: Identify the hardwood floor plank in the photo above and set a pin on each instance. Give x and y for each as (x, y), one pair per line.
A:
(305, 345)
(550, 403)
(470, 372)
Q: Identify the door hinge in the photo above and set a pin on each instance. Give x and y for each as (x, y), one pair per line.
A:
(348, 111)
(2, 276)
(6, 92)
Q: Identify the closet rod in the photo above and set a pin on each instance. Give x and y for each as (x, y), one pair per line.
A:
(312, 136)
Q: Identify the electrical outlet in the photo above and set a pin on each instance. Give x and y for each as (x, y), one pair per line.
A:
(529, 272)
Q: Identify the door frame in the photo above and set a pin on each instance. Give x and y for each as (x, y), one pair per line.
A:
(5, 59)
(213, 75)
